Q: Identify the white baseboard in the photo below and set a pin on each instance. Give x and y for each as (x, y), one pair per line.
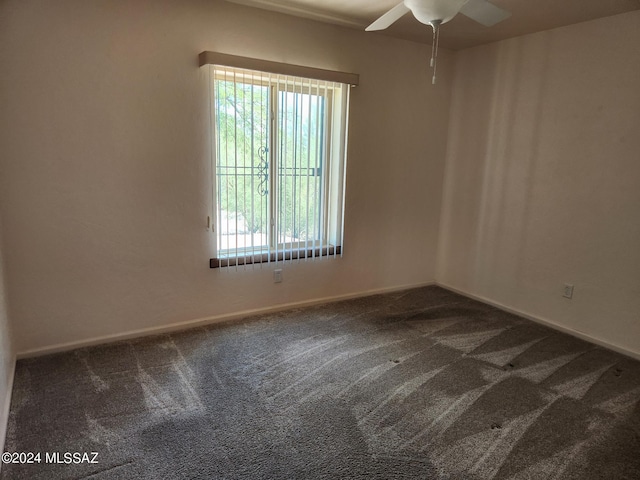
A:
(62, 347)
(173, 327)
(544, 321)
(4, 415)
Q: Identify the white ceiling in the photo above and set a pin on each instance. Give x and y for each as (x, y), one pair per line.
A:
(528, 16)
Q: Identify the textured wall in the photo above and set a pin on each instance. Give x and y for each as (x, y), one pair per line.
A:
(103, 132)
(543, 174)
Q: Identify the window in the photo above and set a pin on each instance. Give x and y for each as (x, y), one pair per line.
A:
(279, 156)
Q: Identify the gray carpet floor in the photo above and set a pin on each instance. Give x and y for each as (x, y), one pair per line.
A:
(420, 384)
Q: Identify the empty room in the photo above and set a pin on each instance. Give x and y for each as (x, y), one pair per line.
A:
(296, 239)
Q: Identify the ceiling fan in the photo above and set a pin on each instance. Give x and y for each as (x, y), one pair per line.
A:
(437, 12)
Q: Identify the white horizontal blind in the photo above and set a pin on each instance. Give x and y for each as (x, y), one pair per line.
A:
(279, 152)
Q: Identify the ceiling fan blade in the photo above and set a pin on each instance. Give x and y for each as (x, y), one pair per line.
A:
(484, 12)
(388, 18)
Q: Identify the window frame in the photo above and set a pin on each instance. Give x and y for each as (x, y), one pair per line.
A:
(332, 161)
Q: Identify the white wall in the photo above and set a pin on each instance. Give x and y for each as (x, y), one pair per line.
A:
(103, 136)
(542, 179)
(7, 354)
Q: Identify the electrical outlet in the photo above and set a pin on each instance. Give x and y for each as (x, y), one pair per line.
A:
(568, 290)
(277, 275)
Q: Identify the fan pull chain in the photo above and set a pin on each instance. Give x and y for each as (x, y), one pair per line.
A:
(434, 48)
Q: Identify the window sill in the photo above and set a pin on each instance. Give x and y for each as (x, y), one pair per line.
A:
(295, 254)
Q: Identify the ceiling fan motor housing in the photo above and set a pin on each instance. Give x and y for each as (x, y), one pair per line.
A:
(428, 11)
